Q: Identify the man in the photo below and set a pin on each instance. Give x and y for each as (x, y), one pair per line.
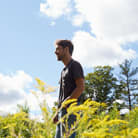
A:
(71, 82)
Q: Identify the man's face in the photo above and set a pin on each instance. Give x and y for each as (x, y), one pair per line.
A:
(60, 52)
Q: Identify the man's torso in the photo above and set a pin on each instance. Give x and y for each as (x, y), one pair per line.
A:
(67, 81)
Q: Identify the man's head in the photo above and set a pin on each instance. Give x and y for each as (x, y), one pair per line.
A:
(63, 48)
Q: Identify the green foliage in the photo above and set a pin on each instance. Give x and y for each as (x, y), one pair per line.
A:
(129, 83)
(132, 117)
(100, 85)
(15, 125)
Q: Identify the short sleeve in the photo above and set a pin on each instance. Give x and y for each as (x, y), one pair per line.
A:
(77, 70)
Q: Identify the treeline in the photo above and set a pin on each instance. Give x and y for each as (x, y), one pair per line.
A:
(103, 85)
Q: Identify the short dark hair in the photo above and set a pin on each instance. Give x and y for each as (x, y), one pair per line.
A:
(66, 43)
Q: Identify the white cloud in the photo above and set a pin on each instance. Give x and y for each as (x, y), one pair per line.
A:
(93, 51)
(16, 89)
(37, 117)
(12, 90)
(32, 102)
(111, 19)
(113, 23)
(50, 98)
(55, 8)
(78, 20)
(14, 82)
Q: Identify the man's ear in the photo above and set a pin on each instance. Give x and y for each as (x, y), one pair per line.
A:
(67, 49)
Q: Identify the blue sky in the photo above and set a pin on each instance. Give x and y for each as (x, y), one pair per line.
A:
(103, 32)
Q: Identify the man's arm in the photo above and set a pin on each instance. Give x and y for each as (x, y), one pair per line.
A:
(78, 90)
(75, 94)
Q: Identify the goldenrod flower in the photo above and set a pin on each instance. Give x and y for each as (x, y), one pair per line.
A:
(65, 103)
(77, 109)
(135, 132)
(40, 82)
(43, 87)
(116, 122)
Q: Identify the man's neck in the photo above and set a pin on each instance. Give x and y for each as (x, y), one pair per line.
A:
(66, 60)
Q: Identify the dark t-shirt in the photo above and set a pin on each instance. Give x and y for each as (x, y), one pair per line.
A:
(68, 76)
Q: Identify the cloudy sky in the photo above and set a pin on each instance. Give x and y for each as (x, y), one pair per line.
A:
(104, 32)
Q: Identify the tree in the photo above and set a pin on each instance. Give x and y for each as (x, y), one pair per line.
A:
(130, 84)
(100, 85)
(23, 108)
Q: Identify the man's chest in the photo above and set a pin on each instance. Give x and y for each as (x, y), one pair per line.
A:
(66, 76)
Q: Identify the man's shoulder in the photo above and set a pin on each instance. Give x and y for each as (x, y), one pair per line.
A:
(76, 63)
(77, 70)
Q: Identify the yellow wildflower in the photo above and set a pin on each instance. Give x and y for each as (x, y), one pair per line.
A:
(50, 89)
(91, 103)
(116, 122)
(77, 109)
(40, 82)
(135, 132)
(87, 134)
(103, 104)
(65, 103)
